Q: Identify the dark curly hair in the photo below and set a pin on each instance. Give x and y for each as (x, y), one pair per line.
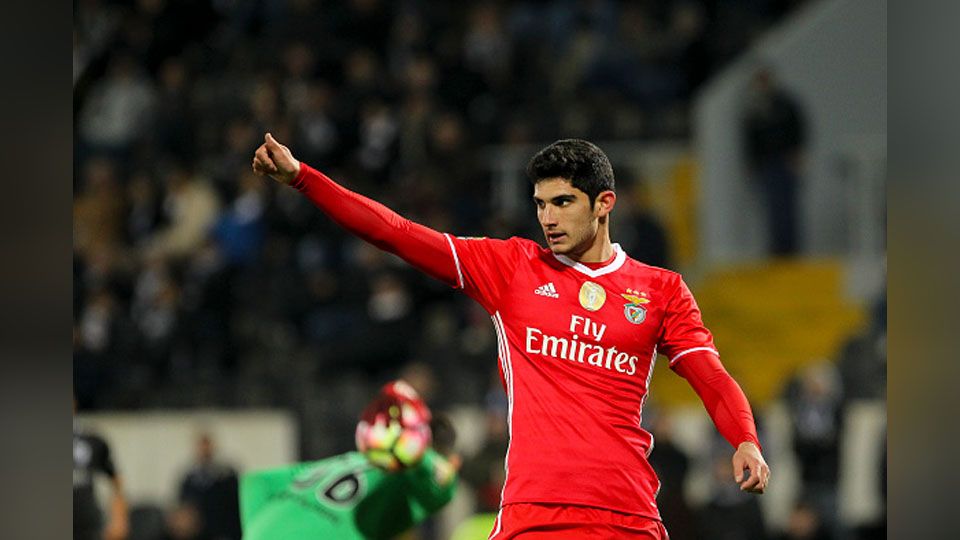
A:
(581, 162)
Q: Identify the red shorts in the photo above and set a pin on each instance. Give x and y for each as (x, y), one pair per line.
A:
(525, 521)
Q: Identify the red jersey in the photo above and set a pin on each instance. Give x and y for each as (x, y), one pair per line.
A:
(577, 350)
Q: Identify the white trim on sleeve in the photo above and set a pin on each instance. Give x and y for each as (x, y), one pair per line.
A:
(456, 260)
(688, 351)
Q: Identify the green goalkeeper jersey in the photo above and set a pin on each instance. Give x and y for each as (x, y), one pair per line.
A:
(342, 497)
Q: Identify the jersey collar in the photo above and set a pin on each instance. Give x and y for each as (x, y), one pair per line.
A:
(614, 265)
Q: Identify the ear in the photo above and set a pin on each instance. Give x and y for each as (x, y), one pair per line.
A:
(604, 203)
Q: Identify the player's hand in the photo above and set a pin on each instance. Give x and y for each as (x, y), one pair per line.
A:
(748, 458)
(275, 160)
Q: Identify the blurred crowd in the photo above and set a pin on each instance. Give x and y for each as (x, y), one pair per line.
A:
(199, 284)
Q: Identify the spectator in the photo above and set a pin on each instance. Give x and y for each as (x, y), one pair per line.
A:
(805, 524)
(863, 358)
(730, 514)
(98, 210)
(775, 133)
(190, 209)
(175, 124)
(91, 456)
(643, 235)
(671, 464)
(814, 398)
(211, 487)
(484, 470)
(119, 110)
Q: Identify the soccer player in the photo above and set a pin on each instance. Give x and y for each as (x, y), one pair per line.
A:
(350, 496)
(579, 325)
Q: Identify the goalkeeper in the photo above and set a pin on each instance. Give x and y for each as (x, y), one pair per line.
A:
(393, 482)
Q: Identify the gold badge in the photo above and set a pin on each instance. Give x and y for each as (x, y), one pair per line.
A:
(592, 296)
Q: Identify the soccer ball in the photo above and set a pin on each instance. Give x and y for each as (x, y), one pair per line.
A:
(394, 439)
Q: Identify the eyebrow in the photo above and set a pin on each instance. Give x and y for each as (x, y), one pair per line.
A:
(558, 198)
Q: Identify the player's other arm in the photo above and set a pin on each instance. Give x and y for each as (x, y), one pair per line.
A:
(422, 247)
(432, 482)
(730, 411)
(689, 345)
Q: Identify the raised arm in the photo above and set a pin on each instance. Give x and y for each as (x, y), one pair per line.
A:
(424, 248)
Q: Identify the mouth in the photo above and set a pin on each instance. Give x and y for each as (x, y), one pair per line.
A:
(555, 237)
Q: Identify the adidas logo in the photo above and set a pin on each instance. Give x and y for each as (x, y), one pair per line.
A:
(547, 290)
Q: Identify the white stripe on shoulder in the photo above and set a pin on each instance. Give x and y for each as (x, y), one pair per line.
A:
(688, 351)
(456, 260)
(614, 265)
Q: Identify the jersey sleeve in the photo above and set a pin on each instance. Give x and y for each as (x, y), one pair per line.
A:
(431, 485)
(683, 331)
(689, 346)
(722, 397)
(485, 266)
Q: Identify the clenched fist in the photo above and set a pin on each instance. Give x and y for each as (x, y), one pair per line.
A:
(275, 160)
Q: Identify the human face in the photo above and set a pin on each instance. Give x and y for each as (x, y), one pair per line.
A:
(566, 216)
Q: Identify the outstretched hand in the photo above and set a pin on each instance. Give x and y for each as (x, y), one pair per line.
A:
(275, 160)
(748, 458)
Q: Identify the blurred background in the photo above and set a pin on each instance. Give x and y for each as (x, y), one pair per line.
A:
(222, 323)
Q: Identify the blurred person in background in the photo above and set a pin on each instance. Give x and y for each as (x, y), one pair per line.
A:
(101, 343)
(671, 464)
(729, 514)
(775, 133)
(97, 211)
(814, 397)
(91, 456)
(190, 210)
(805, 523)
(484, 470)
(393, 482)
(182, 522)
(210, 488)
(641, 231)
(119, 110)
(574, 417)
(862, 364)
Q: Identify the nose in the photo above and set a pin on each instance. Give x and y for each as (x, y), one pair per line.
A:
(546, 217)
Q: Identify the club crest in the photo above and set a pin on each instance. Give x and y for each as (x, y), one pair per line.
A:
(592, 296)
(633, 310)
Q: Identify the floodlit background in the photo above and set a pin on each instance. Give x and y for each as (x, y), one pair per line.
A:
(748, 138)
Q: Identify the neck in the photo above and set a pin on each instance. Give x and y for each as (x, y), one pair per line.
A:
(599, 250)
